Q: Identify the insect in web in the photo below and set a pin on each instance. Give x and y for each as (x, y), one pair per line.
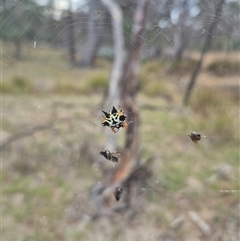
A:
(115, 119)
(118, 193)
(111, 156)
(195, 136)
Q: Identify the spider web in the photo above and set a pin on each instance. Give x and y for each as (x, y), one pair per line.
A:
(47, 175)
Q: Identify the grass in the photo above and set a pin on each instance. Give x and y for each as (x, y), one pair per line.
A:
(53, 169)
(47, 178)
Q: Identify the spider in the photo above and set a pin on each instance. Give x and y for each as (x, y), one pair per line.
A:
(114, 119)
(195, 137)
(111, 156)
(118, 193)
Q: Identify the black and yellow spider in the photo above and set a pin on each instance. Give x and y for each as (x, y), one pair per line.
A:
(114, 119)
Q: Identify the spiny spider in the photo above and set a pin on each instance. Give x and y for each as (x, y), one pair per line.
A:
(118, 193)
(115, 119)
(195, 136)
(111, 156)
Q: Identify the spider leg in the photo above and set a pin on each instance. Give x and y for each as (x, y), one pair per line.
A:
(125, 125)
(113, 130)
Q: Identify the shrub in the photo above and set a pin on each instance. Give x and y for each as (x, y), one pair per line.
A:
(97, 82)
(182, 66)
(66, 87)
(206, 100)
(17, 85)
(6, 88)
(159, 88)
(153, 66)
(223, 68)
(214, 105)
(21, 83)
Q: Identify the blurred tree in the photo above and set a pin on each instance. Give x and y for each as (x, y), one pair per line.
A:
(180, 43)
(182, 23)
(20, 20)
(71, 35)
(96, 19)
(128, 87)
(177, 17)
(129, 83)
(192, 81)
(229, 26)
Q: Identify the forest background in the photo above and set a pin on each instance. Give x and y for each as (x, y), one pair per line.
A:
(172, 66)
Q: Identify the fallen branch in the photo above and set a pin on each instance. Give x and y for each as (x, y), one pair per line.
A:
(29, 132)
(200, 223)
(177, 222)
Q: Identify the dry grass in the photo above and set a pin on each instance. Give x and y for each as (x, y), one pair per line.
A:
(46, 178)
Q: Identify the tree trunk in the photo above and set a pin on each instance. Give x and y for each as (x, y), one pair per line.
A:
(206, 45)
(117, 69)
(71, 39)
(18, 51)
(178, 47)
(180, 43)
(129, 83)
(96, 21)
